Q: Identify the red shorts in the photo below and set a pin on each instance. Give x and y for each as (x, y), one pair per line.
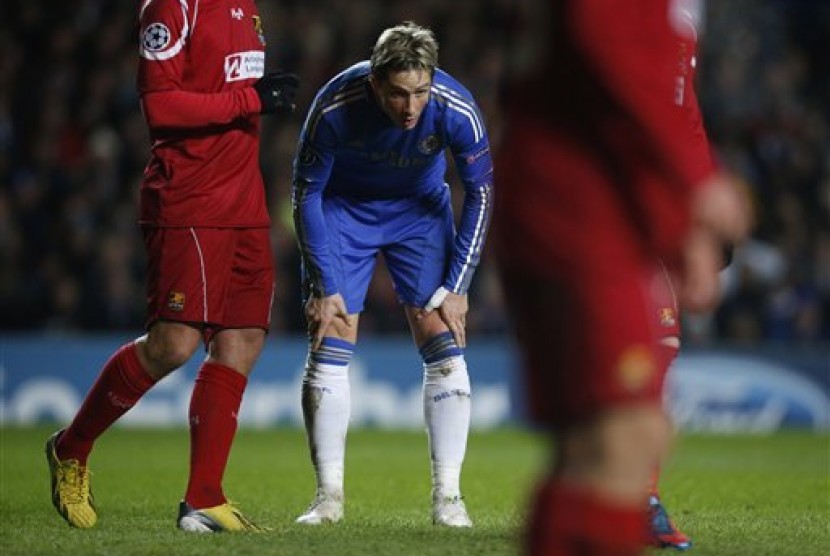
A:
(214, 278)
(587, 342)
(666, 314)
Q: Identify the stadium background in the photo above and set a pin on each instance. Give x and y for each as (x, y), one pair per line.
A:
(73, 145)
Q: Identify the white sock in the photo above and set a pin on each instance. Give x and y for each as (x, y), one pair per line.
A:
(326, 404)
(447, 415)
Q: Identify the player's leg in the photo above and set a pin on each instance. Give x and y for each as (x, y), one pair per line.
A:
(129, 373)
(447, 396)
(593, 379)
(213, 417)
(591, 502)
(664, 532)
(326, 395)
(238, 291)
(326, 401)
(417, 260)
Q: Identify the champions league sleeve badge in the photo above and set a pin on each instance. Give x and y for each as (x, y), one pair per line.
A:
(156, 37)
(158, 42)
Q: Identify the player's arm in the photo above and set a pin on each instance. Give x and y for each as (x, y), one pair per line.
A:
(165, 29)
(632, 53)
(471, 152)
(698, 138)
(312, 169)
(721, 252)
(183, 109)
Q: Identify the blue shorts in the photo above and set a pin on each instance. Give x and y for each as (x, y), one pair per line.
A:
(415, 236)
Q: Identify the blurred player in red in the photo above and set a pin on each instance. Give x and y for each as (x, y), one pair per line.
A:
(600, 183)
(210, 275)
(664, 533)
(685, 18)
(666, 315)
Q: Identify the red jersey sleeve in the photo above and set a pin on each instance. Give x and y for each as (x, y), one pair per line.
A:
(686, 98)
(636, 62)
(182, 109)
(631, 51)
(198, 60)
(165, 29)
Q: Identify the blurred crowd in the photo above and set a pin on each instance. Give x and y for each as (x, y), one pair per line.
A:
(73, 146)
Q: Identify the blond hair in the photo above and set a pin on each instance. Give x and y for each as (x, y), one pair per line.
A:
(402, 48)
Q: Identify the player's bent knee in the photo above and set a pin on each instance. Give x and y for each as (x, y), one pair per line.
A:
(331, 359)
(441, 347)
(444, 364)
(168, 346)
(633, 438)
(237, 348)
(617, 451)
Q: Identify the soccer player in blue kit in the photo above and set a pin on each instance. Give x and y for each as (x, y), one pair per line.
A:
(369, 179)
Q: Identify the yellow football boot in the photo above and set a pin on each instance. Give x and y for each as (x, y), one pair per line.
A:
(71, 494)
(224, 517)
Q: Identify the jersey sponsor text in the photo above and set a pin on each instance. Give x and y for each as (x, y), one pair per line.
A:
(244, 65)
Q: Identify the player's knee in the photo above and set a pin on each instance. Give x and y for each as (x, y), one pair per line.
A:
(441, 347)
(616, 452)
(237, 348)
(635, 437)
(168, 346)
(330, 360)
(444, 362)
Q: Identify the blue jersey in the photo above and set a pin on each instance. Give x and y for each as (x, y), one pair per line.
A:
(350, 149)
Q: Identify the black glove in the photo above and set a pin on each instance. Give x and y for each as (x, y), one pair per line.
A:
(277, 91)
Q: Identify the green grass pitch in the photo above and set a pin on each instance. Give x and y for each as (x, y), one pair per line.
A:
(736, 495)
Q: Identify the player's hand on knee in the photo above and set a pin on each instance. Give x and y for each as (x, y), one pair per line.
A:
(321, 312)
(452, 308)
(453, 312)
(434, 302)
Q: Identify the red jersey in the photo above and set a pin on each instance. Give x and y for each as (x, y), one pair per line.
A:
(608, 174)
(198, 60)
(685, 17)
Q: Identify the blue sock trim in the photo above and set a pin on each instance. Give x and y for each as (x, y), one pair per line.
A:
(440, 347)
(333, 351)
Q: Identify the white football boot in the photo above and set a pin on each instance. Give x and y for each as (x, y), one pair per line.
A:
(449, 511)
(327, 507)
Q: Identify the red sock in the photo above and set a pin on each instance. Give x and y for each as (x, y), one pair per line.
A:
(570, 522)
(653, 482)
(216, 398)
(120, 385)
